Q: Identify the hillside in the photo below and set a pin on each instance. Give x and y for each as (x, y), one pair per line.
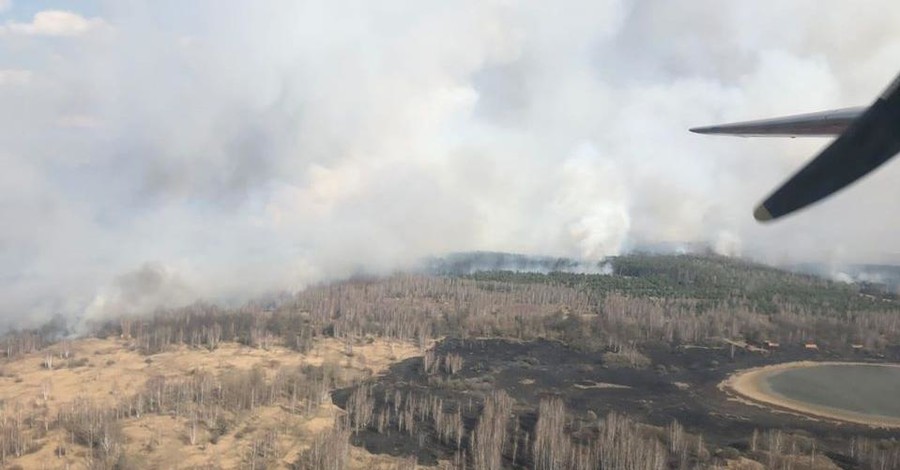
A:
(468, 369)
(78, 404)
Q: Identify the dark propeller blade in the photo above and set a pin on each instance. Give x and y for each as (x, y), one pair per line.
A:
(868, 142)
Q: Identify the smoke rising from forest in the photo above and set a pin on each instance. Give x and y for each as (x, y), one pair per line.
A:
(158, 152)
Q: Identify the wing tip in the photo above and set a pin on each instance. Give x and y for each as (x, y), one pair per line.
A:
(762, 214)
(703, 130)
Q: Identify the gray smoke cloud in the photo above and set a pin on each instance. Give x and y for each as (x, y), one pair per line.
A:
(158, 152)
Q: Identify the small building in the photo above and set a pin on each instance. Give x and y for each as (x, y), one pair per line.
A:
(856, 347)
(813, 346)
(771, 344)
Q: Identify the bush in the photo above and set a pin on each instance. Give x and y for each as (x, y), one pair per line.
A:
(626, 358)
(78, 363)
(729, 453)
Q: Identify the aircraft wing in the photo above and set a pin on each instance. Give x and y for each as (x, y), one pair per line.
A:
(869, 140)
(825, 123)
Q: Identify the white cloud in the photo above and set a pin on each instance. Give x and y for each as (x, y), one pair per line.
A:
(55, 23)
(79, 121)
(295, 141)
(15, 77)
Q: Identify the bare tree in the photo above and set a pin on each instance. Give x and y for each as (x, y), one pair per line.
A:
(329, 451)
(490, 435)
(46, 388)
(551, 445)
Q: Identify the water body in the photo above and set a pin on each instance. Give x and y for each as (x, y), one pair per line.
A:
(862, 389)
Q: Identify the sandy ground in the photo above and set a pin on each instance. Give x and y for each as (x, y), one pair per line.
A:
(101, 370)
(744, 463)
(749, 385)
(111, 367)
(599, 386)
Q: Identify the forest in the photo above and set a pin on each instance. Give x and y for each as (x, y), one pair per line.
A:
(642, 303)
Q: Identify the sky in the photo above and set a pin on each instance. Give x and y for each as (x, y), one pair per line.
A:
(153, 153)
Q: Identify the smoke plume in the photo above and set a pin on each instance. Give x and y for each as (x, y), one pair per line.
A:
(158, 152)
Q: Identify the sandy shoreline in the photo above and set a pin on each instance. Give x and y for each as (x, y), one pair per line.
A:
(751, 385)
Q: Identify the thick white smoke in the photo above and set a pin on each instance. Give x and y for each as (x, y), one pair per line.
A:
(156, 152)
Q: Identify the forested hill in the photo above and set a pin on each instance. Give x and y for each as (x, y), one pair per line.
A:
(647, 299)
(248, 386)
(712, 279)
(457, 264)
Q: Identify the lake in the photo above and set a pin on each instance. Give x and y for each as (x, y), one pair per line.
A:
(863, 389)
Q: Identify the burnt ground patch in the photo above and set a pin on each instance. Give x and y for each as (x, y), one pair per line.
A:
(681, 384)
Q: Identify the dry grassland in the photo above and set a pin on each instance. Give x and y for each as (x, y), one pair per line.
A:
(104, 370)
